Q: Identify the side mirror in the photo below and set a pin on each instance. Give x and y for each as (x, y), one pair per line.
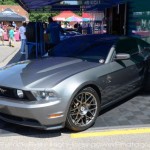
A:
(122, 56)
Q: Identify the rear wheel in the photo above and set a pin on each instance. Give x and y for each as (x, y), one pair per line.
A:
(83, 110)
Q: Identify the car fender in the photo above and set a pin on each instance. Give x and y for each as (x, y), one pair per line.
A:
(70, 89)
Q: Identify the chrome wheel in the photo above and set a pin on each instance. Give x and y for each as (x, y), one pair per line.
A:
(83, 110)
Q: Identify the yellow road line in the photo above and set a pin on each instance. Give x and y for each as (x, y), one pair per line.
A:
(111, 133)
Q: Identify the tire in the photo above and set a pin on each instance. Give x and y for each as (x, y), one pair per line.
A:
(83, 110)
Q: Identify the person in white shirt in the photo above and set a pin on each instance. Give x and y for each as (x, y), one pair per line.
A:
(22, 31)
(14, 24)
(2, 35)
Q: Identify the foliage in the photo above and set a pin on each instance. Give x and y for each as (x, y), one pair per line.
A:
(34, 16)
(41, 16)
(79, 13)
(8, 2)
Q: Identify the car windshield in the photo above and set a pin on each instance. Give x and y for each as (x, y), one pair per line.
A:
(89, 49)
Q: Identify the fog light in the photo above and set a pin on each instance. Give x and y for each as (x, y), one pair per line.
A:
(20, 93)
(43, 94)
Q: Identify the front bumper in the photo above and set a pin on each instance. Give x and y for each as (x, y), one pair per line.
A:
(35, 114)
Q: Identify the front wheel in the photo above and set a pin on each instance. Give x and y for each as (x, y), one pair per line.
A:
(83, 110)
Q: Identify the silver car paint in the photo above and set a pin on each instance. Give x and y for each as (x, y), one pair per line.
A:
(64, 76)
(54, 82)
(45, 72)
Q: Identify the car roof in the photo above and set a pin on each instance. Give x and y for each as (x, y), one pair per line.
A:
(82, 42)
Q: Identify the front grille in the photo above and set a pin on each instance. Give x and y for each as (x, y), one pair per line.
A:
(12, 93)
(20, 120)
(8, 92)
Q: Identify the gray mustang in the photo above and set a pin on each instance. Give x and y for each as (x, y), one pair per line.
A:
(83, 75)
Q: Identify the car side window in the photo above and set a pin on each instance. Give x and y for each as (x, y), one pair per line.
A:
(127, 45)
(96, 52)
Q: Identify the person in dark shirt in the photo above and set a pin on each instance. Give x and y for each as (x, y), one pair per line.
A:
(76, 25)
(79, 29)
(53, 30)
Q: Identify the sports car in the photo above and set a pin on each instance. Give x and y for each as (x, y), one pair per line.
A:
(82, 76)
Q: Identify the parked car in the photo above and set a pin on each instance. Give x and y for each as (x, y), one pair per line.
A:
(98, 28)
(68, 33)
(83, 75)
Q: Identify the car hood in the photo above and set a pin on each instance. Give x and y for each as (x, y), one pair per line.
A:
(42, 73)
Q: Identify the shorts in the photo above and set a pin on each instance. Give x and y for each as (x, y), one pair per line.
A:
(1, 38)
(11, 38)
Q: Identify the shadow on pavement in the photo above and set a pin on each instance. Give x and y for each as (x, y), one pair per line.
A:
(8, 129)
(114, 105)
(16, 58)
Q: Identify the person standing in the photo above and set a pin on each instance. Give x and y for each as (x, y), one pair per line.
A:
(11, 37)
(22, 31)
(89, 29)
(8, 28)
(79, 29)
(53, 30)
(76, 25)
(14, 24)
(2, 35)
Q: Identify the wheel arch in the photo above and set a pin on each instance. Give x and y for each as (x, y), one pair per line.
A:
(81, 87)
(94, 89)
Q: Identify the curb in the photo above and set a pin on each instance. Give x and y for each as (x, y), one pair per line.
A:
(1, 61)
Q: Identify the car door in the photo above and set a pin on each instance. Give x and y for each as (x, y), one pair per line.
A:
(124, 76)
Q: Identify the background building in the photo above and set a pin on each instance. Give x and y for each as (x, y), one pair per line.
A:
(17, 9)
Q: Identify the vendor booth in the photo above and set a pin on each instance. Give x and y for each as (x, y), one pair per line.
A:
(121, 17)
(64, 15)
(9, 15)
(17, 36)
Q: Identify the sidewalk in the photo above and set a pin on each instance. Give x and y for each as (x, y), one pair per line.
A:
(9, 54)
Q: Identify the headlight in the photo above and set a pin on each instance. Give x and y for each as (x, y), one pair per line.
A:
(44, 95)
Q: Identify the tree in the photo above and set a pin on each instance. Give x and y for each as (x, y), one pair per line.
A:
(8, 2)
(34, 16)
